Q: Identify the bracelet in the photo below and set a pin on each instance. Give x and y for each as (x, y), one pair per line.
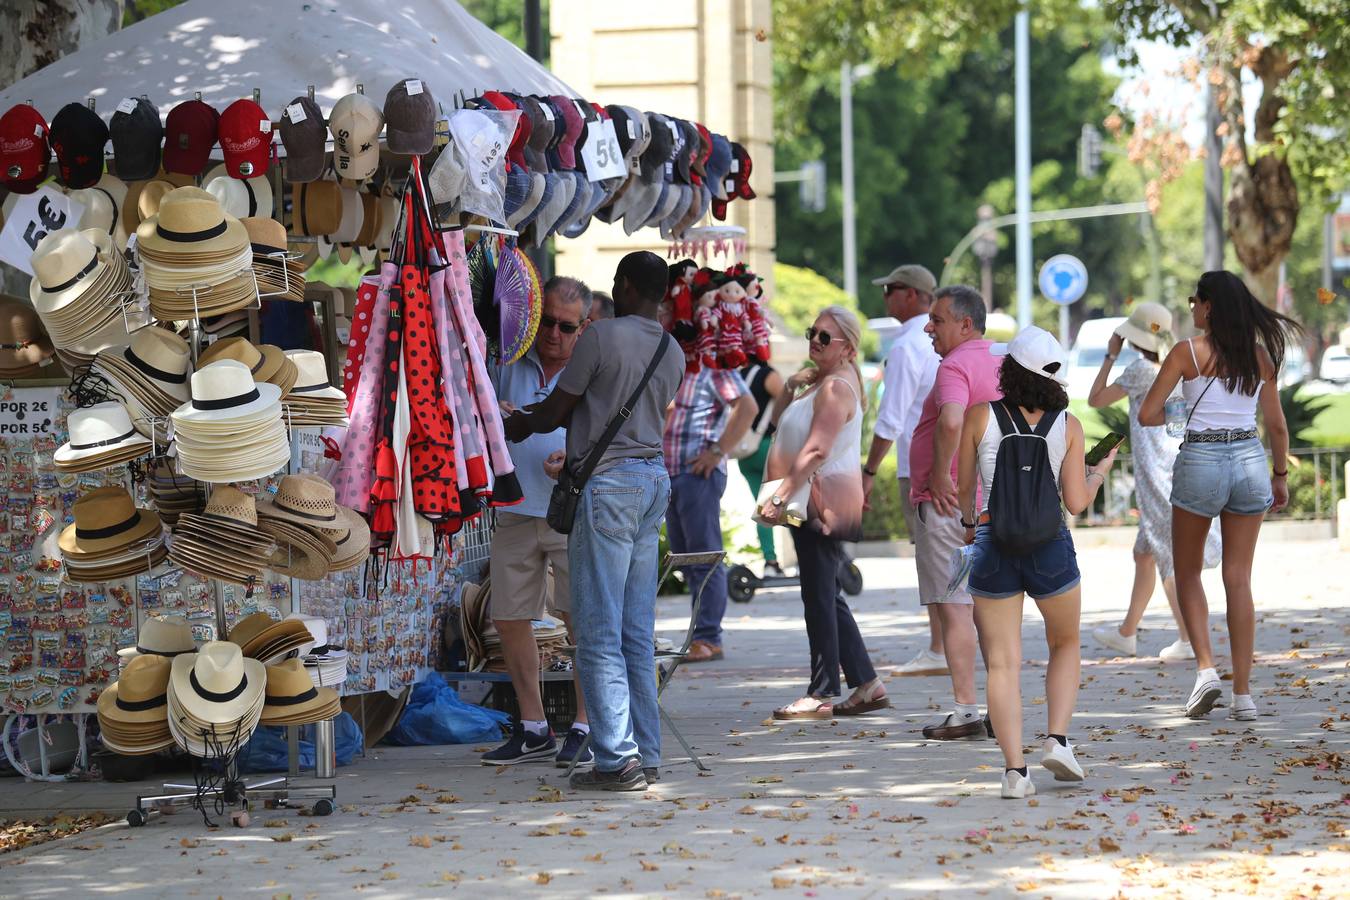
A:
(1284, 474)
(965, 524)
(1112, 358)
(870, 473)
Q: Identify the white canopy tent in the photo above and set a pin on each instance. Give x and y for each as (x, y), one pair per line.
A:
(226, 48)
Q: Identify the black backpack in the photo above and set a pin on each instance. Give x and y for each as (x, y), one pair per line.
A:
(1024, 505)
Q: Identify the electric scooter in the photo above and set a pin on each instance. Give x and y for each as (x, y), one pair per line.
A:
(742, 583)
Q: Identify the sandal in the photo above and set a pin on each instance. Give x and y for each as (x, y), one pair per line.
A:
(864, 700)
(803, 709)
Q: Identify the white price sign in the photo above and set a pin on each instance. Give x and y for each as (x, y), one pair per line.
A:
(601, 154)
(27, 413)
(36, 215)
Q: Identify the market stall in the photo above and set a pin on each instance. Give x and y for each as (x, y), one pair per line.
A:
(228, 465)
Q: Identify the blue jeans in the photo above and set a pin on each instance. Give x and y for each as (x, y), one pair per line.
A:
(695, 526)
(1048, 571)
(613, 553)
(1208, 479)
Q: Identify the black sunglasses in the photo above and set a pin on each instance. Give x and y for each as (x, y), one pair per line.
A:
(825, 336)
(547, 322)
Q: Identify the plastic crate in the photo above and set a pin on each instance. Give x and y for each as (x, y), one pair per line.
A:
(559, 697)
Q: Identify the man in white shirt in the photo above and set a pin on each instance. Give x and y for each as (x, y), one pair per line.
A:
(911, 367)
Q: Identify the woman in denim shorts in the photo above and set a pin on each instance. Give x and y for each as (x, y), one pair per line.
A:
(1226, 372)
(1031, 379)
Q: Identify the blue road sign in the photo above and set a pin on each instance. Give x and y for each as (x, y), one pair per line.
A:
(1063, 279)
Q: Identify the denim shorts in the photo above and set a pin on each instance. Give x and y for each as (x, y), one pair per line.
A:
(1208, 479)
(1049, 571)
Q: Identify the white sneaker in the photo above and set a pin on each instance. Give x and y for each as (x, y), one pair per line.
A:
(1203, 696)
(1061, 761)
(1016, 786)
(1178, 649)
(1109, 636)
(925, 662)
(1243, 709)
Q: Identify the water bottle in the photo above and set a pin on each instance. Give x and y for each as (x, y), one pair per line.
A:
(1174, 411)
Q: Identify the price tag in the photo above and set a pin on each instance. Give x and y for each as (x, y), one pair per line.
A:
(547, 110)
(127, 105)
(601, 154)
(265, 126)
(296, 113)
(35, 216)
(414, 87)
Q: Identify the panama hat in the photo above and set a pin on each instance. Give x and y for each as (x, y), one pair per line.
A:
(214, 693)
(312, 377)
(302, 552)
(307, 500)
(316, 207)
(107, 523)
(317, 626)
(133, 711)
(1149, 326)
(162, 636)
(224, 391)
(292, 698)
(153, 367)
(223, 541)
(100, 435)
(239, 197)
(173, 494)
(260, 636)
(67, 265)
(266, 362)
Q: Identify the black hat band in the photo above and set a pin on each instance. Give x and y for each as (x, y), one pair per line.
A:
(146, 651)
(191, 237)
(94, 534)
(226, 402)
(93, 263)
(142, 705)
(292, 701)
(116, 440)
(157, 374)
(304, 515)
(214, 697)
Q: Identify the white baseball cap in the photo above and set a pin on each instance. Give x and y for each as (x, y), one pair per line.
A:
(1036, 350)
(355, 122)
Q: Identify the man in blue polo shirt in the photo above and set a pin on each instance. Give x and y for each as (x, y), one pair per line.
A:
(523, 546)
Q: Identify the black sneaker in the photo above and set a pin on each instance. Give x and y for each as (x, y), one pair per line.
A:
(572, 746)
(652, 774)
(521, 747)
(628, 778)
(773, 570)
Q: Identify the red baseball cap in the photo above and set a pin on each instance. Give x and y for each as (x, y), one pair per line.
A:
(24, 153)
(189, 134)
(516, 152)
(245, 138)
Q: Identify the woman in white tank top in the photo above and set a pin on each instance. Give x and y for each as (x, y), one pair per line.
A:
(816, 448)
(1221, 472)
(1031, 380)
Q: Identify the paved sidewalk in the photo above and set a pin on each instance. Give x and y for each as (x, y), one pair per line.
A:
(860, 807)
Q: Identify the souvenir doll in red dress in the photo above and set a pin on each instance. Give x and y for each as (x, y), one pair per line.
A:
(758, 345)
(707, 316)
(677, 310)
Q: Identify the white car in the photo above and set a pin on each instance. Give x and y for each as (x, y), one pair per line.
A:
(1335, 364)
(1089, 349)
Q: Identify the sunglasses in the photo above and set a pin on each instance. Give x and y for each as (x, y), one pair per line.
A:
(824, 336)
(547, 322)
(1192, 300)
(886, 289)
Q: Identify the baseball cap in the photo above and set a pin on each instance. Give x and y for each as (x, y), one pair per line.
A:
(78, 136)
(574, 127)
(305, 137)
(515, 152)
(410, 118)
(1036, 350)
(136, 135)
(910, 275)
(659, 149)
(719, 166)
(355, 122)
(700, 159)
(245, 139)
(24, 153)
(741, 164)
(541, 132)
(190, 131)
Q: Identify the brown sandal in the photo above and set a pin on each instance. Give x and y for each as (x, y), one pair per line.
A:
(866, 700)
(821, 711)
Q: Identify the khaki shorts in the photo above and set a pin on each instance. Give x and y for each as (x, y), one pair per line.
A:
(936, 540)
(523, 548)
(907, 508)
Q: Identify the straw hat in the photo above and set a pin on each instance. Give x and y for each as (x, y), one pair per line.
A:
(162, 636)
(67, 265)
(197, 259)
(100, 436)
(280, 277)
(301, 552)
(223, 542)
(225, 392)
(154, 368)
(133, 711)
(266, 362)
(316, 208)
(1149, 326)
(262, 637)
(173, 494)
(240, 197)
(215, 699)
(292, 698)
(190, 223)
(25, 348)
(107, 524)
(308, 501)
(231, 429)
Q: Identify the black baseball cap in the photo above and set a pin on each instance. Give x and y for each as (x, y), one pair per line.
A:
(78, 136)
(410, 118)
(136, 138)
(305, 136)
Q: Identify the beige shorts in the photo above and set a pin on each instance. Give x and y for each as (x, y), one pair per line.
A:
(907, 508)
(523, 549)
(936, 540)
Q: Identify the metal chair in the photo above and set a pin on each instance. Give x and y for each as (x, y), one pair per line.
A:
(669, 661)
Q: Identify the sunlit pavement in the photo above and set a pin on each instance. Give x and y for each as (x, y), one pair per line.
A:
(860, 807)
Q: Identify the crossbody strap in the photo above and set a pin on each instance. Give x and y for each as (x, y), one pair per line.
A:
(1198, 373)
(624, 414)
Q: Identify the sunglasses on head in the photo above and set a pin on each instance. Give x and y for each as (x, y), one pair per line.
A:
(824, 336)
(546, 322)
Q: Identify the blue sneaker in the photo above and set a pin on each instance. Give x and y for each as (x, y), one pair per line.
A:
(573, 745)
(521, 747)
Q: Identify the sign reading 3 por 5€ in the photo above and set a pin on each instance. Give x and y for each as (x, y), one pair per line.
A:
(33, 217)
(29, 412)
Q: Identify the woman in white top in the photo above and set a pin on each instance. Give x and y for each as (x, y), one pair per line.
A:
(1031, 380)
(1221, 471)
(815, 451)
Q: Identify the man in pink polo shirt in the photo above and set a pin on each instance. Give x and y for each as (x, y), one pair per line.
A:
(967, 375)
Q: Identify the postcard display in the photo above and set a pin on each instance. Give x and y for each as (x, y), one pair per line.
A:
(59, 640)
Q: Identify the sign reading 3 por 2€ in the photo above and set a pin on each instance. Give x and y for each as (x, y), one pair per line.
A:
(1063, 279)
(29, 412)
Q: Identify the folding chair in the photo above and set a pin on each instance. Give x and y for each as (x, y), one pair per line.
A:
(669, 661)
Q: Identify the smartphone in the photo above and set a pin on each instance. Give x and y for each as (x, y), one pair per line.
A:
(1098, 453)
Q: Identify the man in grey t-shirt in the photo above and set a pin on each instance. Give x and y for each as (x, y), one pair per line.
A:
(612, 548)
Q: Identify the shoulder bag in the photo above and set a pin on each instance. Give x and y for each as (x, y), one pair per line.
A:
(562, 503)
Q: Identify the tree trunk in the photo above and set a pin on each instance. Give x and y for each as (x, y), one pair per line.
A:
(1262, 214)
(36, 33)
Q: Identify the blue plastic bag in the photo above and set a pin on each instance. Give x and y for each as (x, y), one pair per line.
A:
(266, 749)
(436, 715)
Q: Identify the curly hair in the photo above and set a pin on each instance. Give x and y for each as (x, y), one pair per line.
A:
(1028, 390)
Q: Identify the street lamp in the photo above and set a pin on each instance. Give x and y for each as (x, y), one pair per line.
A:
(848, 75)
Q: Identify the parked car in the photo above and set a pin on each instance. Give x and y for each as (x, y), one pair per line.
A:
(1335, 364)
(1089, 349)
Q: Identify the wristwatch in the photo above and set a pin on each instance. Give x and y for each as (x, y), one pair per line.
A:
(870, 473)
(717, 448)
(776, 500)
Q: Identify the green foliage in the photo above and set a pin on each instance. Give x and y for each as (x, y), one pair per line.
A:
(135, 10)
(1310, 487)
(1116, 418)
(1300, 412)
(802, 294)
(883, 520)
